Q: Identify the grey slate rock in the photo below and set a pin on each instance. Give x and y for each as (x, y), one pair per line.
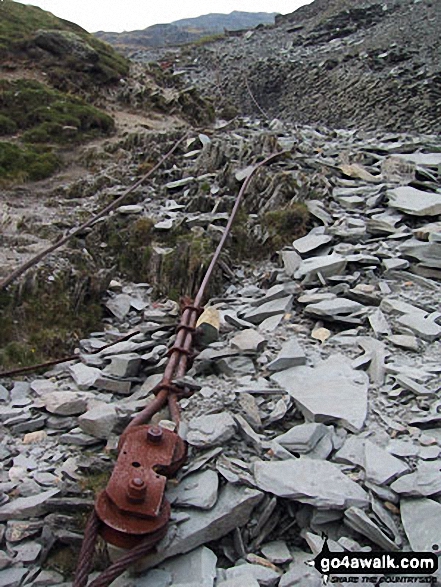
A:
(211, 430)
(318, 483)
(358, 520)
(123, 365)
(415, 202)
(84, 376)
(310, 242)
(420, 518)
(197, 567)
(291, 262)
(119, 306)
(249, 340)
(334, 308)
(99, 421)
(24, 508)
(300, 574)
(240, 581)
(326, 265)
(236, 366)
(380, 466)
(290, 355)
(277, 552)
(330, 392)
(423, 325)
(197, 490)
(232, 510)
(265, 576)
(425, 481)
(269, 309)
(65, 403)
(13, 576)
(302, 438)
(154, 578)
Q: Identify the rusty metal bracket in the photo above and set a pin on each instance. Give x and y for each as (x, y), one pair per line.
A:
(133, 505)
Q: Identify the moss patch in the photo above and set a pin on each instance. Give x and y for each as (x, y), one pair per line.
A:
(285, 225)
(19, 163)
(44, 114)
(44, 319)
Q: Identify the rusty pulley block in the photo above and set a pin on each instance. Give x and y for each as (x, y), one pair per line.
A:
(133, 507)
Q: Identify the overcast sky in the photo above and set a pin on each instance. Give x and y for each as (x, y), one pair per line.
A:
(129, 15)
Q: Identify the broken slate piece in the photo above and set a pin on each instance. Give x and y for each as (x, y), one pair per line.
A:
(266, 577)
(99, 420)
(415, 202)
(24, 508)
(248, 341)
(291, 262)
(232, 510)
(198, 490)
(291, 355)
(13, 576)
(356, 519)
(84, 376)
(380, 466)
(236, 366)
(273, 308)
(326, 265)
(423, 482)
(119, 305)
(124, 365)
(302, 438)
(318, 483)
(198, 566)
(334, 308)
(421, 522)
(330, 392)
(65, 403)
(211, 430)
(422, 325)
(310, 242)
(277, 552)
(405, 341)
(379, 323)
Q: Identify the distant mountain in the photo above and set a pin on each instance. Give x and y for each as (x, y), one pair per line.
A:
(187, 30)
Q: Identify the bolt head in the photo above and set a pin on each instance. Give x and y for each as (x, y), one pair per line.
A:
(136, 490)
(154, 434)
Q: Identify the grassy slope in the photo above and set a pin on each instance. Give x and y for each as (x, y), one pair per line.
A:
(36, 117)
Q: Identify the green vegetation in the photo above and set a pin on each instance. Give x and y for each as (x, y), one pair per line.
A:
(47, 115)
(285, 225)
(26, 163)
(18, 27)
(43, 116)
(46, 319)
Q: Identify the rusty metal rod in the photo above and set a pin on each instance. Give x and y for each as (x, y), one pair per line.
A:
(37, 258)
(32, 368)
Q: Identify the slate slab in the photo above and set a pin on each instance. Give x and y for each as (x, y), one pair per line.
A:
(318, 483)
(211, 430)
(269, 309)
(290, 355)
(326, 265)
(24, 508)
(330, 392)
(421, 522)
(232, 510)
(197, 490)
(425, 481)
(415, 202)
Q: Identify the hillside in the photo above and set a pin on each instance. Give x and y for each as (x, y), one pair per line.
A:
(334, 62)
(187, 30)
